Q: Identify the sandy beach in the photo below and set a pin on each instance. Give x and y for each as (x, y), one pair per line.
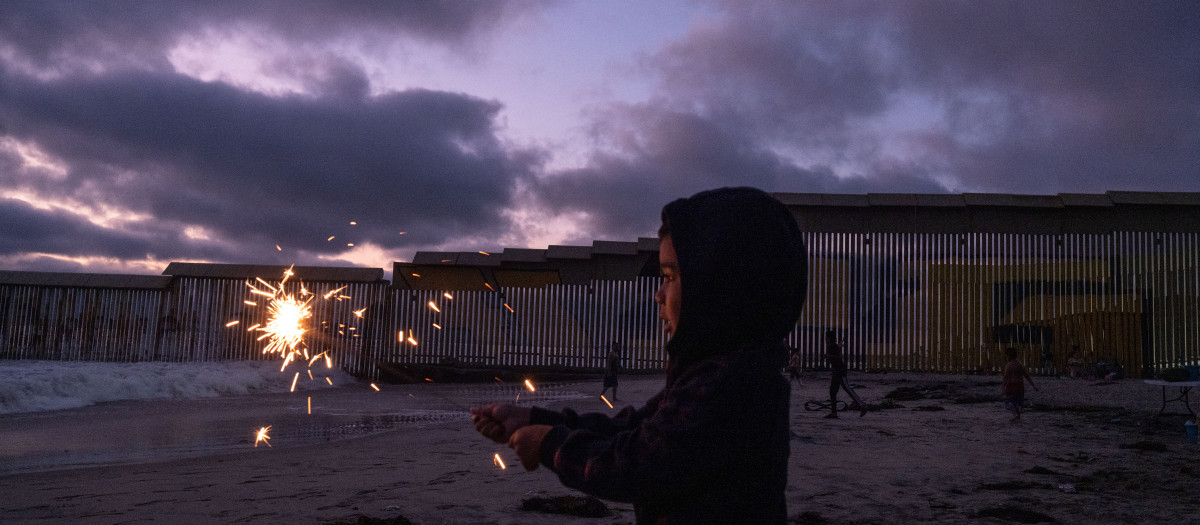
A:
(940, 449)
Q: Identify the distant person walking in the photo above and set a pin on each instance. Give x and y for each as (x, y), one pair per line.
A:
(837, 376)
(1013, 383)
(793, 367)
(612, 365)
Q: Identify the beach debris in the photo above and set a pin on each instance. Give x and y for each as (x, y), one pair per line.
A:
(1067, 487)
(1146, 446)
(972, 399)
(1014, 514)
(359, 519)
(1045, 471)
(1014, 485)
(581, 506)
(809, 517)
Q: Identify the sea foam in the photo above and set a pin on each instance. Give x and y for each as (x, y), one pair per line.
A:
(35, 386)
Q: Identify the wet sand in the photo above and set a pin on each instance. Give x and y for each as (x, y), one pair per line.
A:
(1087, 452)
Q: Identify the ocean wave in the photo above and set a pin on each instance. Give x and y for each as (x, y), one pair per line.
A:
(35, 386)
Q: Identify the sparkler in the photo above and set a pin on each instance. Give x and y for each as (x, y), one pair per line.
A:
(286, 327)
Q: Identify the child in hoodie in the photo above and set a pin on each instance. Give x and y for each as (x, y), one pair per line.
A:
(713, 445)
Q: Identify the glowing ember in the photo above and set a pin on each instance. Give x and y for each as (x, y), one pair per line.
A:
(375, 387)
(605, 399)
(231, 323)
(261, 436)
(509, 308)
(447, 295)
(529, 385)
(499, 461)
(359, 313)
(310, 404)
(329, 239)
(434, 307)
(294, 379)
(483, 252)
(438, 326)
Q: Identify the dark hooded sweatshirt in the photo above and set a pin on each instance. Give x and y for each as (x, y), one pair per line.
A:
(713, 445)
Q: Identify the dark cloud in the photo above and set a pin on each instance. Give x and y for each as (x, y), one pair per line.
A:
(1027, 97)
(269, 170)
(845, 97)
(657, 155)
(54, 33)
(32, 230)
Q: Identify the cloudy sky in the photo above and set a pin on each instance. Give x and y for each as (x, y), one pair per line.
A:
(133, 134)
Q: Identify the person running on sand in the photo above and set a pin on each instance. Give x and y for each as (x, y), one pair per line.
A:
(1013, 384)
(712, 446)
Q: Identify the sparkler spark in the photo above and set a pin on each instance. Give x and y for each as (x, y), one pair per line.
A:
(447, 295)
(231, 323)
(375, 387)
(433, 306)
(605, 399)
(499, 461)
(529, 385)
(261, 436)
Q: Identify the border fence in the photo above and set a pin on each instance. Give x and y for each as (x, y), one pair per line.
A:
(946, 303)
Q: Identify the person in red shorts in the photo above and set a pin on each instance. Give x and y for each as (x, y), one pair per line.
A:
(1013, 384)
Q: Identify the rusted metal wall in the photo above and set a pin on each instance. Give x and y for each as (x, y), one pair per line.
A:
(571, 326)
(953, 302)
(902, 301)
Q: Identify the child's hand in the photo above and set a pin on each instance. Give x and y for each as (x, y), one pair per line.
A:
(527, 442)
(498, 421)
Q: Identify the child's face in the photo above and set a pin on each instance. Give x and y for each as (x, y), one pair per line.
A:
(669, 295)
